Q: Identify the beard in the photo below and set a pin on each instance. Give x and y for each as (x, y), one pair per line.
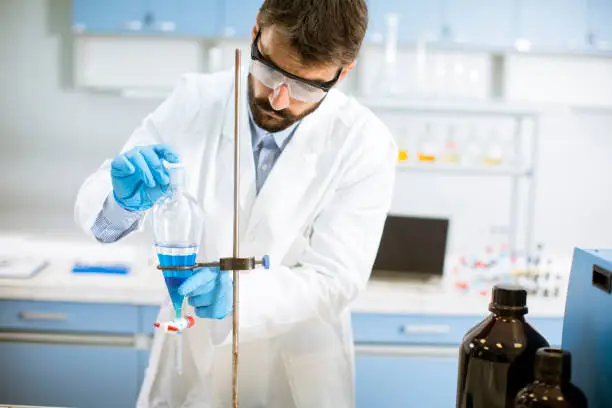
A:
(260, 107)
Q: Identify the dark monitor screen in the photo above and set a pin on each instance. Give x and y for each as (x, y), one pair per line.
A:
(412, 245)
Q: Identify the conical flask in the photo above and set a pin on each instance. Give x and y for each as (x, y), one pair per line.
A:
(178, 227)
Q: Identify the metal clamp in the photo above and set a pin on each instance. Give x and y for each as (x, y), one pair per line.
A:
(243, 264)
(224, 264)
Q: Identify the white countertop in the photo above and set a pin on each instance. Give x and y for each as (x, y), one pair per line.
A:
(406, 298)
(144, 284)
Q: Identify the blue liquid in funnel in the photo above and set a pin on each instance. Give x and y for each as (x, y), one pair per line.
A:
(176, 255)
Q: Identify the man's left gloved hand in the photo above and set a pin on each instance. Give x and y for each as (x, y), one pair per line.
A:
(210, 292)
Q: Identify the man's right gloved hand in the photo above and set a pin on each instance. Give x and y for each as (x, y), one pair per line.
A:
(139, 177)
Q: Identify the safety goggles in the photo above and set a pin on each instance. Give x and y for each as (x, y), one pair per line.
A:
(266, 72)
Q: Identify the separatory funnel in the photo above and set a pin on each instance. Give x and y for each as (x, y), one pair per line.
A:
(178, 226)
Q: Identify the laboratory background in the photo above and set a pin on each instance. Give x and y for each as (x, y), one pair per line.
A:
(502, 113)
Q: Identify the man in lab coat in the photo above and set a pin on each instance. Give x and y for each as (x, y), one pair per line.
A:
(317, 175)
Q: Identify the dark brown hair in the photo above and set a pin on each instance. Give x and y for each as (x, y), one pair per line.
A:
(326, 32)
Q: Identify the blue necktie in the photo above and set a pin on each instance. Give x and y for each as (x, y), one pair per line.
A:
(267, 154)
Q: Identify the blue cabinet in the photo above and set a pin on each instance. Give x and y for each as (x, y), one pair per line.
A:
(552, 25)
(406, 360)
(70, 353)
(480, 23)
(434, 330)
(438, 330)
(417, 20)
(599, 23)
(167, 17)
(148, 316)
(538, 25)
(19, 315)
(185, 17)
(68, 375)
(109, 16)
(239, 17)
(394, 380)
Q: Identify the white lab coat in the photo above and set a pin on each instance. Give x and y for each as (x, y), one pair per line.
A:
(319, 216)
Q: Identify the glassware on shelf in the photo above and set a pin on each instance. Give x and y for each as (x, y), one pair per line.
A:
(471, 151)
(440, 77)
(493, 153)
(402, 155)
(450, 150)
(389, 84)
(428, 148)
(402, 144)
(475, 84)
(458, 87)
(421, 72)
(508, 144)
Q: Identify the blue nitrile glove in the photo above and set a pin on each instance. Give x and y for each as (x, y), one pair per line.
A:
(210, 292)
(139, 177)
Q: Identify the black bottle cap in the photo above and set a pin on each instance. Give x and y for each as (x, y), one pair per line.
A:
(553, 364)
(509, 298)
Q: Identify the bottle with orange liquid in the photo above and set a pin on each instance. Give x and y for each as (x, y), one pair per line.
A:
(402, 144)
(428, 148)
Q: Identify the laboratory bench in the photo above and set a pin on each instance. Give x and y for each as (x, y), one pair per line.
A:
(83, 340)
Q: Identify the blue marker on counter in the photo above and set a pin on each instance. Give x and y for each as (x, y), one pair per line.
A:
(105, 269)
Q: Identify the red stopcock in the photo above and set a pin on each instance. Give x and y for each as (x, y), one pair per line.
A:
(176, 326)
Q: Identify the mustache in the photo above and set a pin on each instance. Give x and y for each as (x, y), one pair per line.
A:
(264, 104)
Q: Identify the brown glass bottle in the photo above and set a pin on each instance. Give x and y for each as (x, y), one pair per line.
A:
(496, 357)
(552, 387)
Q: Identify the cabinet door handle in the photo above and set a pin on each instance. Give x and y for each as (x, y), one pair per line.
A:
(407, 351)
(133, 25)
(165, 26)
(42, 316)
(60, 338)
(424, 329)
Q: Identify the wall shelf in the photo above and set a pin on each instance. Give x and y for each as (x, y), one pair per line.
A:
(525, 136)
(463, 170)
(485, 107)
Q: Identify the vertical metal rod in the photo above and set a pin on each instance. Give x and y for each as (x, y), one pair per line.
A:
(531, 194)
(236, 229)
(514, 199)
